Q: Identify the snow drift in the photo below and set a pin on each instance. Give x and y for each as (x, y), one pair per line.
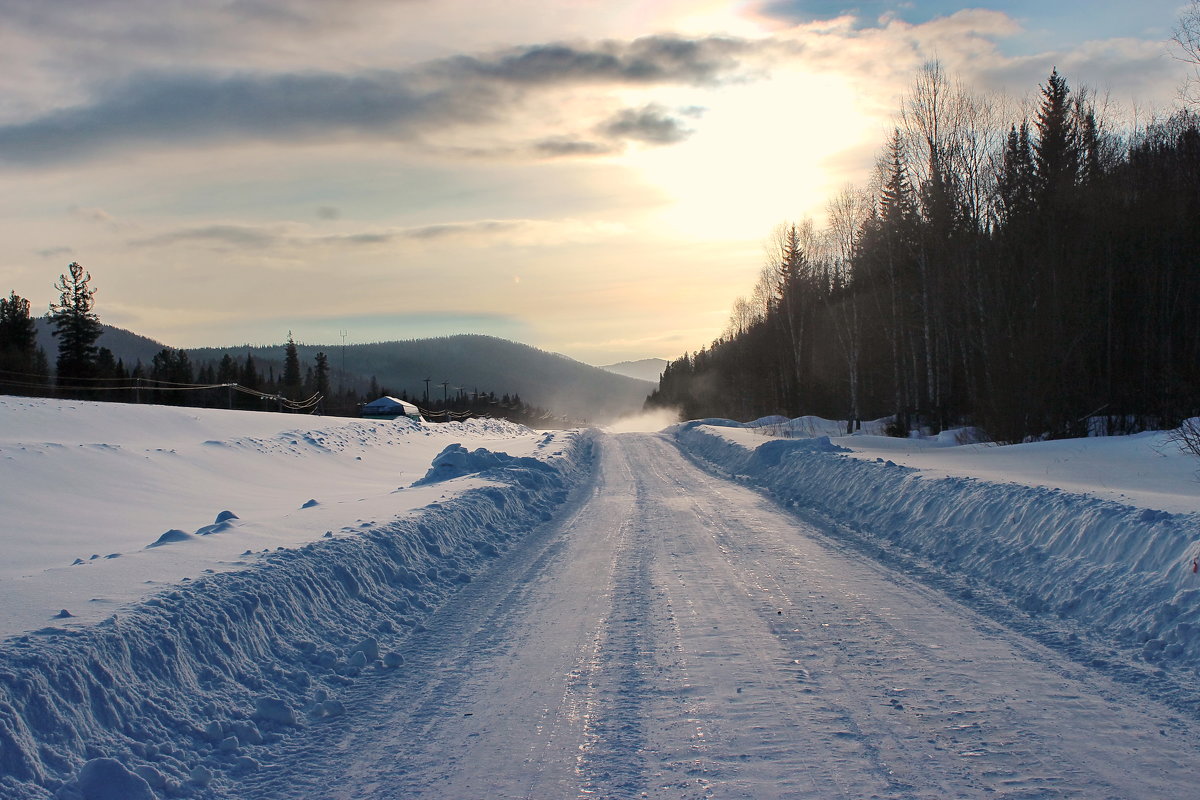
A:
(1122, 572)
(182, 690)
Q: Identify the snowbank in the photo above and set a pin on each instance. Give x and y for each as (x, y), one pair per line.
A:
(183, 689)
(1121, 571)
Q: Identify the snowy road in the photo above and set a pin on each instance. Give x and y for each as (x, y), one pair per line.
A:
(679, 636)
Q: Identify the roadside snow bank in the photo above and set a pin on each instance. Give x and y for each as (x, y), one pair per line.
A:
(456, 461)
(187, 689)
(1125, 572)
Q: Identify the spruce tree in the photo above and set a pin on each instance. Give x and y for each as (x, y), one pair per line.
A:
(1056, 152)
(76, 326)
(321, 375)
(249, 376)
(227, 371)
(22, 364)
(1015, 181)
(292, 381)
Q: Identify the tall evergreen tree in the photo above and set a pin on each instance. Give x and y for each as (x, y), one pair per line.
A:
(22, 363)
(292, 380)
(321, 375)
(1015, 183)
(75, 325)
(227, 371)
(1056, 150)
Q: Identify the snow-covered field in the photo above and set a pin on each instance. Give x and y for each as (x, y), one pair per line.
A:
(278, 606)
(106, 502)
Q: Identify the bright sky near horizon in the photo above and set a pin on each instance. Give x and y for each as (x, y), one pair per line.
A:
(595, 178)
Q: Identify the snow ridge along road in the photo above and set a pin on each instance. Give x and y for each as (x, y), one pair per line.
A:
(195, 686)
(679, 636)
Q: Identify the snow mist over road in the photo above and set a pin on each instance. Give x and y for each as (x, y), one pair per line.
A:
(703, 612)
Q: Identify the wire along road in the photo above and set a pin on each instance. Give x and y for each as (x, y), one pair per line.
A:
(680, 636)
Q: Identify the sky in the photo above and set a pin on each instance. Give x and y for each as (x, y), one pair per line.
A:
(595, 178)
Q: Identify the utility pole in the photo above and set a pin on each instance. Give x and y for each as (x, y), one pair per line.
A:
(427, 391)
(343, 333)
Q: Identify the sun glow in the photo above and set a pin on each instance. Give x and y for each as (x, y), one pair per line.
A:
(762, 154)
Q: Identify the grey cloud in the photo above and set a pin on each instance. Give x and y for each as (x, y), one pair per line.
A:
(191, 108)
(457, 228)
(159, 24)
(221, 235)
(650, 124)
(187, 109)
(648, 60)
(568, 146)
(362, 238)
(54, 252)
(262, 237)
(328, 212)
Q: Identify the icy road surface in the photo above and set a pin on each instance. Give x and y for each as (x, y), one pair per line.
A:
(679, 636)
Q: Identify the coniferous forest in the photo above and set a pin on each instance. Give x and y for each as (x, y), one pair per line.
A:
(1029, 275)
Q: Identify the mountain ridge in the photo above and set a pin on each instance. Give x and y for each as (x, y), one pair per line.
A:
(581, 392)
(645, 369)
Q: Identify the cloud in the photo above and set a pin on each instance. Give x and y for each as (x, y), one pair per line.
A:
(572, 146)
(55, 252)
(647, 60)
(650, 124)
(189, 109)
(220, 236)
(168, 110)
(799, 11)
(291, 238)
(92, 215)
(487, 226)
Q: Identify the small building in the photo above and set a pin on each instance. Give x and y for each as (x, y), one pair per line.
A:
(391, 408)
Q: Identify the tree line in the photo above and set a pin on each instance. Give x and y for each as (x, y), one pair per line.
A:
(85, 370)
(1028, 276)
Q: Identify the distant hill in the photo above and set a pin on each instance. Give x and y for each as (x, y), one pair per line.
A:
(125, 345)
(470, 361)
(648, 369)
(551, 381)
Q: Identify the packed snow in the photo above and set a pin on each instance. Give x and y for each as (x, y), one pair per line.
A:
(203, 603)
(1103, 532)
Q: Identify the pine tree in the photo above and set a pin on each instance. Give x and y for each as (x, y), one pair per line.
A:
(292, 380)
(227, 371)
(897, 202)
(1015, 182)
(321, 375)
(75, 325)
(249, 376)
(22, 363)
(1056, 151)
